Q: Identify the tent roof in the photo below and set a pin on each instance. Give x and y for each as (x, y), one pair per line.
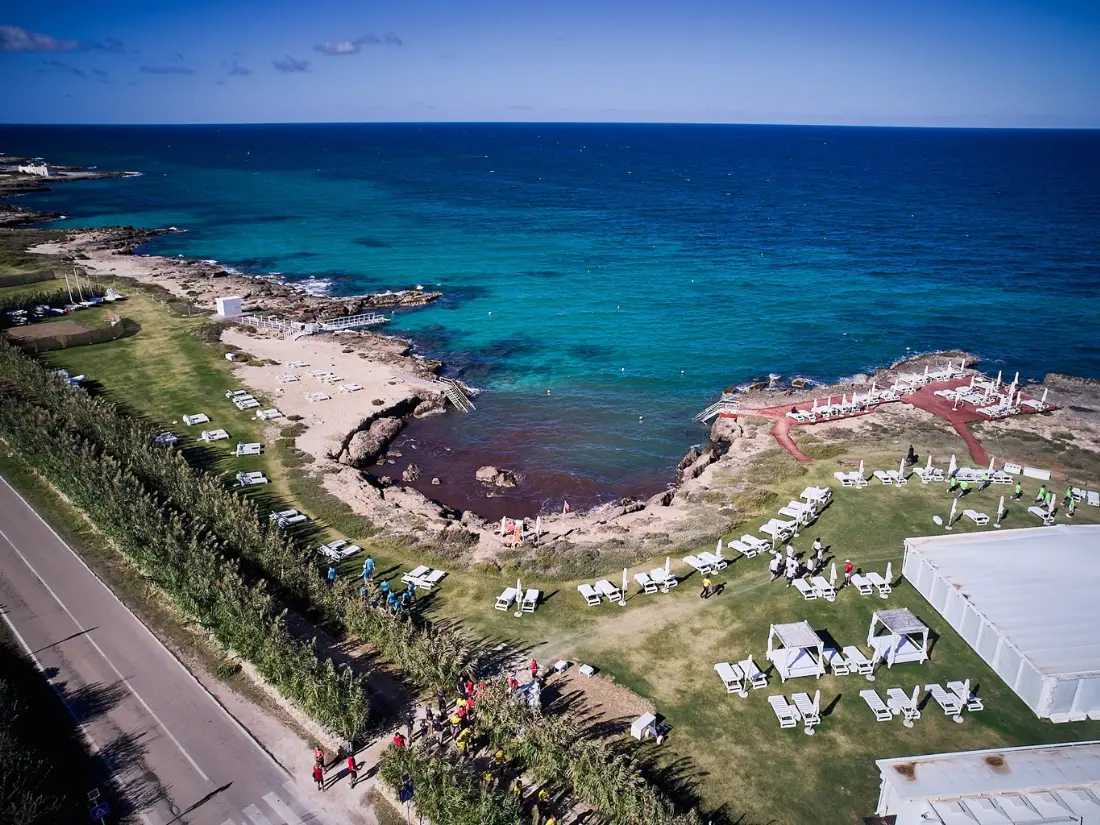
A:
(1036, 586)
(797, 634)
(900, 621)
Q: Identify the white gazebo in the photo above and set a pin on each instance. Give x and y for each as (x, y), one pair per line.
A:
(799, 652)
(897, 636)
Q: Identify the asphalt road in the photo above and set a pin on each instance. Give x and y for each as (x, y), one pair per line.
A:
(182, 758)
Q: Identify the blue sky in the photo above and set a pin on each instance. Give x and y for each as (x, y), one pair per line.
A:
(885, 62)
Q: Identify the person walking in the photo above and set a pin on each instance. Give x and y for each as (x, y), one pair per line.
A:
(1041, 496)
(410, 591)
(517, 790)
(534, 670)
(353, 770)
(331, 576)
(398, 740)
(368, 567)
(1072, 509)
(775, 565)
(705, 593)
(964, 488)
(441, 701)
(792, 571)
(319, 777)
(819, 550)
(319, 756)
(848, 568)
(1019, 491)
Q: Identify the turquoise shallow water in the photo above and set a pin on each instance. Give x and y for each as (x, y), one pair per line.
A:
(598, 262)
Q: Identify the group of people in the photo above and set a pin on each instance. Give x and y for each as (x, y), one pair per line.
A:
(789, 566)
(319, 766)
(386, 597)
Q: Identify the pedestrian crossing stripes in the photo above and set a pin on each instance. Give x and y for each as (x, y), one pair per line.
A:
(276, 809)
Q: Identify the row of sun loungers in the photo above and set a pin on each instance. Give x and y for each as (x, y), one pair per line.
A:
(656, 580)
(287, 518)
(804, 709)
(952, 700)
(891, 477)
(527, 600)
(602, 589)
(852, 479)
(423, 577)
(739, 677)
(866, 583)
(249, 479)
(1093, 499)
(337, 551)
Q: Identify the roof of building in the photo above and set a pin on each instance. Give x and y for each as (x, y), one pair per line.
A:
(1036, 586)
(797, 634)
(900, 620)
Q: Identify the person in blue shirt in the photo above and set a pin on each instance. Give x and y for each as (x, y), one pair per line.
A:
(331, 576)
(410, 592)
(368, 568)
(384, 587)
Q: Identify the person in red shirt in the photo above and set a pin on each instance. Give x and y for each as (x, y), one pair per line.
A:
(534, 669)
(353, 769)
(398, 740)
(319, 777)
(848, 571)
(513, 683)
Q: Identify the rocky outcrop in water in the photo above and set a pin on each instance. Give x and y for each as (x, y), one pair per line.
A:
(366, 445)
(499, 478)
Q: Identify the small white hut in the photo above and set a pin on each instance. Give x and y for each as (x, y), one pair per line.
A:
(898, 636)
(796, 650)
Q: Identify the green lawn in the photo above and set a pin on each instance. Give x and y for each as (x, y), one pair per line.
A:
(663, 646)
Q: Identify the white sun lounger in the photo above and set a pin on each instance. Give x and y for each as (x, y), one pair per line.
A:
(732, 677)
(949, 702)
(269, 415)
(298, 364)
(214, 435)
(645, 582)
(845, 479)
(877, 706)
(803, 587)
(754, 676)
(665, 580)
(976, 517)
(530, 601)
(1093, 498)
(818, 496)
(799, 511)
(716, 562)
(901, 703)
(786, 714)
(808, 708)
(233, 394)
(883, 476)
(862, 584)
(333, 378)
(196, 418)
(248, 449)
(313, 397)
(1042, 514)
(880, 583)
(415, 574)
(698, 564)
(505, 599)
(836, 662)
(430, 580)
(317, 373)
(742, 548)
(857, 661)
(927, 476)
(350, 387)
(287, 379)
(248, 479)
(609, 591)
(965, 695)
(591, 597)
(823, 588)
(757, 543)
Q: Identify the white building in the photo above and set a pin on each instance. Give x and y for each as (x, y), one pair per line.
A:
(1028, 602)
(1037, 785)
(228, 307)
(40, 169)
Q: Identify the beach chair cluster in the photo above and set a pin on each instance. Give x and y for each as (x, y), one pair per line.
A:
(603, 589)
(289, 378)
(780, 530)
(250, 479)
(817, 587)
(1044, 514)
(707, 562)
(298, 364)
(251, 448)
(337, 551)
(326, 377)
(242, 400)
(910, 382)
(527, 600)
(1082, 496)
(867, 583)
(740, 677)
(898, 704)
(801, 708)
(214, 435)
(748, 546)
(895, 477)
(314, 397)
(196, 418)
(929, 474)
(350, 387)
(423, 577)
(994, 399)
(956, 698)
(855, 478)
(269, 415)
(976, 475)
(166, 439)
(287, 518)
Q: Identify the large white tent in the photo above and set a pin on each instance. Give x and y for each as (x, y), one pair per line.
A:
(1027, 602)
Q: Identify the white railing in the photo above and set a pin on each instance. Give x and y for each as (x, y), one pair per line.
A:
(456, 396)
(365, 319)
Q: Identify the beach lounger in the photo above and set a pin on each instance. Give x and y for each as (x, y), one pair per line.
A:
(877, 706)
(884, 476)
(836, 662)
(949, 702)
(742, 548)
(758, 544)
(609, 591)
(899, 477)
(809, 709)
(329, 550)
(969, 699)
(591, 597)
(1077, 493)
(318, 373)
(927, 476)
(414, 575)
(666, 581)
(803, 587)
(698, 565)
(857, 661)
(880, 583)
(298, 364)
(530, 601)
(1093, 499)
(823, 589)
(732, 677)
(976, 517)
(1001, 477)
(778, 529)
(196, 418)
(787, 715)
(427, 582)
(249, 479)
(716, 562)
(645, 582)
(269, 415)
(333, 378)
(799, 511)
(902, 704)
(232, 394)
(1042, 514)
(313, 397)
(845, 479)
(754, 676)
(166, 439)
(214, 435)
(248, 449)
(287, 379)
(818, 496)
(505, 599)
(862, 584)
(350, 387)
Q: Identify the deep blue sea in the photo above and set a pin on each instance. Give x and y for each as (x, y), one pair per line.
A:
(632, 270)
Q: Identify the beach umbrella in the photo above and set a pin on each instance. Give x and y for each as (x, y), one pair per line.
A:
(861, 468)
(872, 391)
(1044, 398)
(972, 381)
(951, 518)
(991, 461)
(814, 407)
(952, 467)
(998, 378)
(832, 574)
(926, 372)
(901, 469)
(517, 535)
(1000, 511)
(889, 572)
(538, 527)
(503, 529)
(519, 600)
(622, 602)
(844, 400)
(668, 560)
(928, 466)
(718, 549)
(1016, 380)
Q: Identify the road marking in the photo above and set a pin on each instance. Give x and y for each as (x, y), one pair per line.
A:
(229, 822)
(99, 650)
(282, 809)
(256, 815)
(307, 803)
(240, 726)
